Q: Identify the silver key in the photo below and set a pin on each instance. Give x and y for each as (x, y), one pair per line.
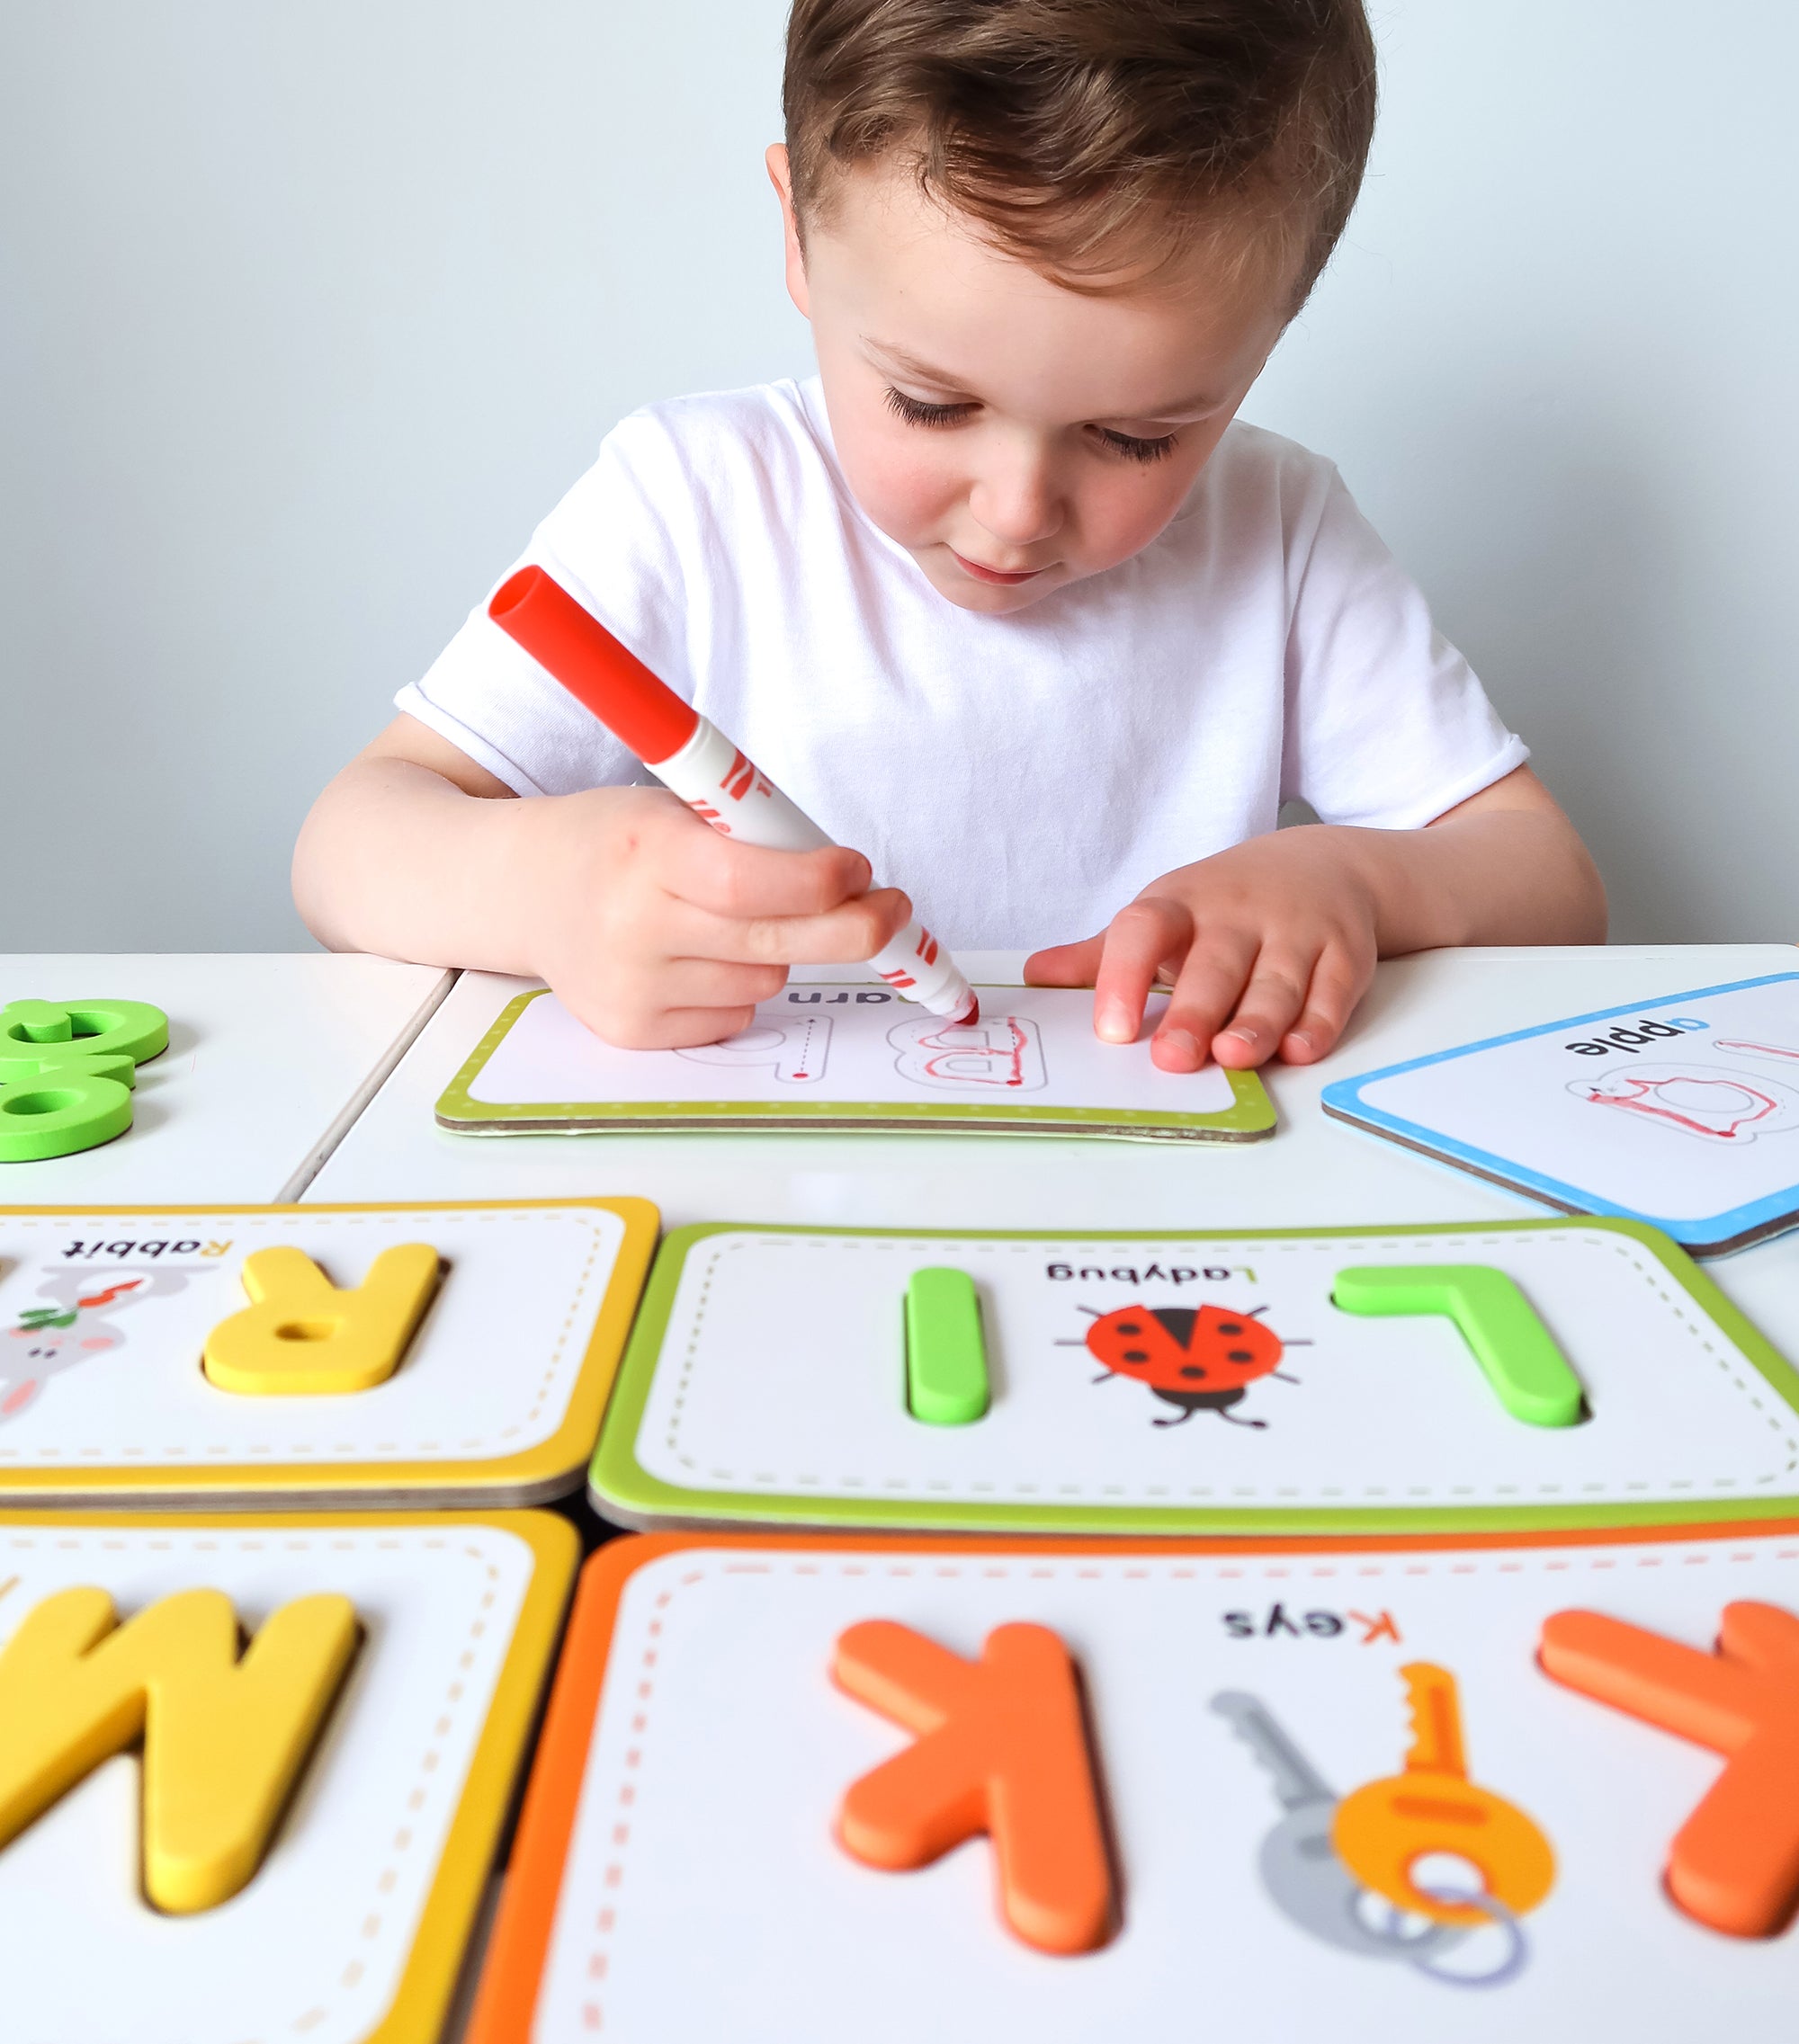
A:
(1305, 1880)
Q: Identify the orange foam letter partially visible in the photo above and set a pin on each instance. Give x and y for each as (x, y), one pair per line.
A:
(1002, 1748)
(1734, 1864)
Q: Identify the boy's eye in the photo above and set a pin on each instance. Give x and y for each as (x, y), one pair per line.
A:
(917, 413)
(1157, 449)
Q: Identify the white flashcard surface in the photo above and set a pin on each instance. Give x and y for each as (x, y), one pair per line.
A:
(767, 1379)
(104, 1318)
(315, 1944)
(1682, 1112)
(705, 1897)
(853, 1055)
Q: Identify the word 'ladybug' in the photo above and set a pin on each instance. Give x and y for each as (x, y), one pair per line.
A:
(1198, 1358)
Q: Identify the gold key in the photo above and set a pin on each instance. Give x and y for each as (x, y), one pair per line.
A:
(1382, 1829)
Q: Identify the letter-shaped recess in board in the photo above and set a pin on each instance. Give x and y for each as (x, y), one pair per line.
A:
(1001, 1747)
(1515, 1352)
(302, 1335)
(67, 1071)
(1734, 1864)
(224, 1739)
(946, 1382)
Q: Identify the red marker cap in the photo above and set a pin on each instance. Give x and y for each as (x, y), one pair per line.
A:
(571, 644)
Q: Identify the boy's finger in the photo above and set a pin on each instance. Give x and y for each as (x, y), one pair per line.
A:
(844, 935)
(739, 881)
(670, 1028)
(1066, 964)
(1337, 986)
(1206, 991)
(714, 983)
(1270, 1007)
(1141, 935)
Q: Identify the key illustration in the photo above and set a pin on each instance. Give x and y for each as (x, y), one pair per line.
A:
(1305, 1878)
(1382, 1829)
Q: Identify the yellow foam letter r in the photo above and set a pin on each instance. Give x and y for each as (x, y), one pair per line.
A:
(302, 1336)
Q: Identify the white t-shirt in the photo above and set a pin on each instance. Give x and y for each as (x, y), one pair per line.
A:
(1020, 777)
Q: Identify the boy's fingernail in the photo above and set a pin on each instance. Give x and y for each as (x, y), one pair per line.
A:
(1242, 1034)
(1182, 1042)
(1303, 1037)
(1114, 1024)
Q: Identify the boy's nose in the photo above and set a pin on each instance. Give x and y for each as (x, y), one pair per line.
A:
(1021, 507)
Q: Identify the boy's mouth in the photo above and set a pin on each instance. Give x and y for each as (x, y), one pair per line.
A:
(982, 573)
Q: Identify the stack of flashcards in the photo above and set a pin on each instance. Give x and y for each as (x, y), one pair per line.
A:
(854, 1056)
(421, 1355)
(302, 1846)
(1525, 1374)
(1680, 1111)
(255, 1768)
(831, 1788)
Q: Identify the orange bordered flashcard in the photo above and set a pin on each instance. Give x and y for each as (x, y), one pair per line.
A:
(796, 1789)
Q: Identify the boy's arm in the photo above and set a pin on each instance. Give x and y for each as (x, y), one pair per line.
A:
(653, 929)
(1271, 944)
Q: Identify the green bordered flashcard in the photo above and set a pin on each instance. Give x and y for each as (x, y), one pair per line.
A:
(1347, 1791)
(854, 1057)
(1533, 1373)
(294, 1839)
(453, 1352)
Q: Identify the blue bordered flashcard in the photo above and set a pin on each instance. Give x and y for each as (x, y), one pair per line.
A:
(1682, 1112)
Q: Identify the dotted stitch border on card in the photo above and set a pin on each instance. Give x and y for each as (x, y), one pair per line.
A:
(278, 1453)
(1139, 1568)
(387, 1878)
(1742, 1377)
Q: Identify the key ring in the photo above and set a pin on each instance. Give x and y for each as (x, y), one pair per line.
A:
(1509, 1967)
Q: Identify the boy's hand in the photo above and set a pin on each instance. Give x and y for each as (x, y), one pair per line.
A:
(659, 933)
(1269, 947)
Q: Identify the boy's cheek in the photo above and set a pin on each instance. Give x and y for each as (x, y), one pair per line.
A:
(909, 496)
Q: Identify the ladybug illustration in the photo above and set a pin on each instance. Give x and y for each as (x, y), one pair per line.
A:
(1199, 1358)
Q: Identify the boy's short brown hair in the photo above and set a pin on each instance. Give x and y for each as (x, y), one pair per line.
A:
(1093, 137)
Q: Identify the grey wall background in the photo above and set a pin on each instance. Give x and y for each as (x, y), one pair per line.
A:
(309, 311)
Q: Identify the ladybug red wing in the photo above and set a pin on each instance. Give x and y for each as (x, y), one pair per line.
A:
(1197, 1358)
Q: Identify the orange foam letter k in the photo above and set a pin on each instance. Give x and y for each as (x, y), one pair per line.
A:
(1734, 1864)
(1001, 1748)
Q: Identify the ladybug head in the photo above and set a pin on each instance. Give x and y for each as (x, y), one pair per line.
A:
(1198, 1358)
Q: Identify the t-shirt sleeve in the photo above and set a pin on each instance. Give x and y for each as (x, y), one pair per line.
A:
(616, 543)
(1387, 726)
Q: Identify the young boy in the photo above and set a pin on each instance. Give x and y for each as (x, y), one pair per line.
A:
(1004, 597)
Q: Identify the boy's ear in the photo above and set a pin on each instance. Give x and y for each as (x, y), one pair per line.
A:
(780, 176)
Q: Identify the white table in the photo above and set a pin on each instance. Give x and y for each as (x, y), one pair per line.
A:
(271, 1057)
(1313, 1173)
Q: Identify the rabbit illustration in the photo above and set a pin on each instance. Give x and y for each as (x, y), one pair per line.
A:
(78, 1323)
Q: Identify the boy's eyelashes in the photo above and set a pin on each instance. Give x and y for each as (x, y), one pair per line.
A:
(1157, 449)
(915, 412)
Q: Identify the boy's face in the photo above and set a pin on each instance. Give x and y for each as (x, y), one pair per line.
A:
(1011, 434)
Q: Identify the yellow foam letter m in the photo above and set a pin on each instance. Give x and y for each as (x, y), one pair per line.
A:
(224, 1738)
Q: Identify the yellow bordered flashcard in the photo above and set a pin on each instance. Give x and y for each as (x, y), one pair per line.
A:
(798, 1789)
(425, 1354)
(254, 1770)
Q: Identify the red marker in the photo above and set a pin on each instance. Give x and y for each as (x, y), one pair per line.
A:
(696, 759)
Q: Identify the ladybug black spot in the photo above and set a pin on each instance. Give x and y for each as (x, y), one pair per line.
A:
(1136, 1355)
(1238, 1355)
(1129, 1328)
(1190, 1370)
(1230, 1326)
